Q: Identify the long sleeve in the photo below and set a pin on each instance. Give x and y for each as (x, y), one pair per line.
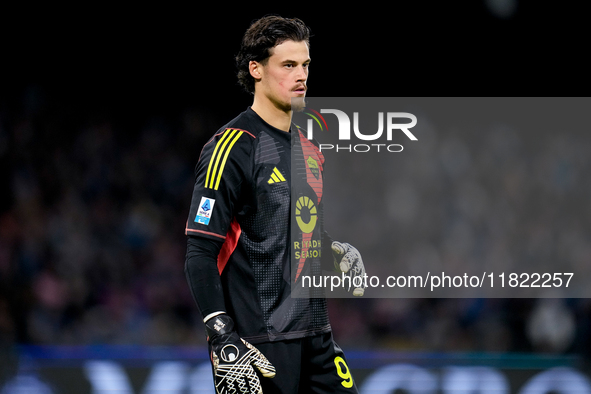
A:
(202, 274)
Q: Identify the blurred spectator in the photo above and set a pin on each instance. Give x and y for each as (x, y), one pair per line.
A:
(92, 243)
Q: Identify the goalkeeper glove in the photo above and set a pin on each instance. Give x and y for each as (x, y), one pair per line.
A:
(347, 259)
(232, 358)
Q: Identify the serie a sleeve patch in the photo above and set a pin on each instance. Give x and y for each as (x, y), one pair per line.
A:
(205, 210)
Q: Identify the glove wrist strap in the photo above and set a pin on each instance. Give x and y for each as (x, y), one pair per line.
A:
(219, 325)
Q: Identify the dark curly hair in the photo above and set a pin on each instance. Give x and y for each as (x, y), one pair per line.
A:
(262, 36)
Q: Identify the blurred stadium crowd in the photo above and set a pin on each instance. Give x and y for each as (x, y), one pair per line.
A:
(92, 237)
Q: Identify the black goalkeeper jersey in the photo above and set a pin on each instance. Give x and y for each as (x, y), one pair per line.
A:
(243, 196)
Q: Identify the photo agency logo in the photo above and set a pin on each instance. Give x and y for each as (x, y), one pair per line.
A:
(356, 130)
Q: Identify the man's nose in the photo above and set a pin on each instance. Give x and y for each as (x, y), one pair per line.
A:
(302, 74)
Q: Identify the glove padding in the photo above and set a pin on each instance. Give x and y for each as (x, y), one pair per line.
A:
(347, 259)
(232, 358)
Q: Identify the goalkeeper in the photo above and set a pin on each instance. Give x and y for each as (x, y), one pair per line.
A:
(250, 218)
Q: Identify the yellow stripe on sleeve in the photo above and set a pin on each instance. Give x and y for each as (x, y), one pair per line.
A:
(213, 156)
(209, 182)
(227, 153)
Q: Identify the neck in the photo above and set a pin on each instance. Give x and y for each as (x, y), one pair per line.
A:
(271, 114)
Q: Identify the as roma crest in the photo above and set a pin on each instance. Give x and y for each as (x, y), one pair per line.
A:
(313, 166)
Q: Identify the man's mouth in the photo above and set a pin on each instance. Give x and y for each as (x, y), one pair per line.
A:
(299, 89)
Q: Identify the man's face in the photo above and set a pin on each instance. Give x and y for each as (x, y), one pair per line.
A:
(285, 73)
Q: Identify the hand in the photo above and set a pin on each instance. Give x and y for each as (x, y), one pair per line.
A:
(232, 358)
(348, 260)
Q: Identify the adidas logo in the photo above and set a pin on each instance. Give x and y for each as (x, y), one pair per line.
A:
(276, 177)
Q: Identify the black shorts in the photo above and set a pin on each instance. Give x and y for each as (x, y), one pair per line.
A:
(307, 365)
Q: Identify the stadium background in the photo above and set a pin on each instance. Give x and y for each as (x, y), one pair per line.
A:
(103, 111)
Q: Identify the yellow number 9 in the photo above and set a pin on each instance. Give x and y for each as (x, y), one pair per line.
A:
(343, 372)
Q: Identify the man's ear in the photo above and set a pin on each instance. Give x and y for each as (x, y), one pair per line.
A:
(255, 69)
